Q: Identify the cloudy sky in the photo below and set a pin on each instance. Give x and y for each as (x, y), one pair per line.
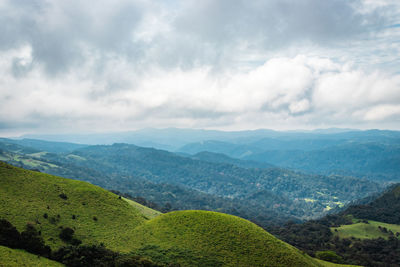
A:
(100, 66)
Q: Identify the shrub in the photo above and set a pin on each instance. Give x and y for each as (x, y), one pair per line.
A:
(9, 235)
(67, 234)
(97, 255)
(32, 242)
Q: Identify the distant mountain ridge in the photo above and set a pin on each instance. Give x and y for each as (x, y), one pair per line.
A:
(370, 154)
(174, 138)
(266, 196)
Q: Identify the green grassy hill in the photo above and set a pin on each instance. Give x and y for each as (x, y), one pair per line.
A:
(330, 264)
(192, 238)
(19, 258)
(204, 238)
(51, 202)
(147, 212)
(370, 230)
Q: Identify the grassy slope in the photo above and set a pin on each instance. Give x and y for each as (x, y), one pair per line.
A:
(330, 264)
(193, 238)
(146, 211)
(19, 258)
(25, 196)
(216, 239)
(365, 231)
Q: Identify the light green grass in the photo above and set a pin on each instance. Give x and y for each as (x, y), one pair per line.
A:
(38, 154)
(147, 212)
(72, 156)
(25, 196)
(204, 238)
(20, 258)
(31, 160)
(330, 264)
(365, 231)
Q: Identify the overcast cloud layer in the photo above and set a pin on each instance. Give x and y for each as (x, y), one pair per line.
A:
(72, 66)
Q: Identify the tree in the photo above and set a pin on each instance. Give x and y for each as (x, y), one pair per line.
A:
(67, 234)
(9, 235)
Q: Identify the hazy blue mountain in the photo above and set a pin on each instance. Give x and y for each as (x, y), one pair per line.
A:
(376, 161)
(372, 154)
(169, 139)
(222, 158)
(174, 138)
(42, 145)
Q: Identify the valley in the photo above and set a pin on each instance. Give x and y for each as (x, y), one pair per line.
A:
(326, 214)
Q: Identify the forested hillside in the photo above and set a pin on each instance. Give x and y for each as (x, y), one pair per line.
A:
(370, 154)
(367, 235)
(265, 196)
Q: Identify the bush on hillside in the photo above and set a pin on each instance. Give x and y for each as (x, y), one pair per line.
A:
(98, 255)
(67, 234)
(32, 242)
(9, 235)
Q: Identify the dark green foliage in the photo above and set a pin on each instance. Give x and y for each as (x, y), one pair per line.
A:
(384, 209)
(29, 239)
(310, 236)
(365, 252)
(9, 235)
(32, 242)
(67, 234)
(98, 255)
(63, 196)
(261, 191)
(315, 236)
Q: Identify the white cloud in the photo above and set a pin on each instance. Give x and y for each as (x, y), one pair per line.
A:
(72, 65)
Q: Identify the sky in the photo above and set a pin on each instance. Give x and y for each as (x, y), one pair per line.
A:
(69, 66)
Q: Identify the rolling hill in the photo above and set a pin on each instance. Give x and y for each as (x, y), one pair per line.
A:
(192, 238)
(20, 258)
(226, 240)
(51, 202)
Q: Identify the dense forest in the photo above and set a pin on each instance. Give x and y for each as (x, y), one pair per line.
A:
(316, 236)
